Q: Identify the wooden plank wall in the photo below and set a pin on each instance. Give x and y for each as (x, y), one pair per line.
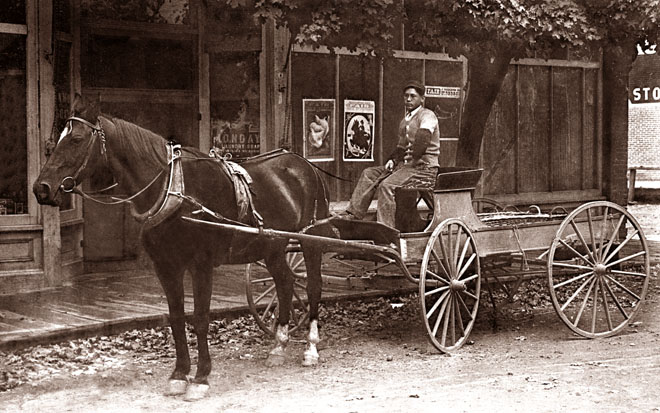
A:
(542, 134)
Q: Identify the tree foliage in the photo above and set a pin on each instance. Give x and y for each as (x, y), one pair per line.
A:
(460, 25)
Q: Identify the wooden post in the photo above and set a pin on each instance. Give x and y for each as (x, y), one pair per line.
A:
(631, 184)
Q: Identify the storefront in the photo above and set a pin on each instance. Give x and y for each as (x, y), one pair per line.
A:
(209, 76)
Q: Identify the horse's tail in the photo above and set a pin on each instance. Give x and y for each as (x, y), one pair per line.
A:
(321, 211)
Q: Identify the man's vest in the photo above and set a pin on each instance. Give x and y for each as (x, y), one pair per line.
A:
(408, 130)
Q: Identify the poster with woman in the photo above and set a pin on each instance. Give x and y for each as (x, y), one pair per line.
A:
(359, 121)
(318, 121)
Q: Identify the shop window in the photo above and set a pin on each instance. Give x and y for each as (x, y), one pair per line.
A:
(143, 11)
(234, 94)
(138, 63)
(13, 125)
(13, 11)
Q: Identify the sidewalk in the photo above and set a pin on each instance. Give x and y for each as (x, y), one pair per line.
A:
(110, 303)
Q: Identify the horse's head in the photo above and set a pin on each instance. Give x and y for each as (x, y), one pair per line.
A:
(78, 148)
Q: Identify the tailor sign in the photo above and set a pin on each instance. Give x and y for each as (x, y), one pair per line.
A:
(646, 94)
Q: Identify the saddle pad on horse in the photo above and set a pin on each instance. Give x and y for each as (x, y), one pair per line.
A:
(241, 180)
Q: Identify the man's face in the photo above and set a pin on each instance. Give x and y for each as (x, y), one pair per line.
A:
(412, 99)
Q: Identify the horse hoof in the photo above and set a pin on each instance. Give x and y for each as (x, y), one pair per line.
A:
(310, 360)
(176, 387)
(274, 360)
(196, 392)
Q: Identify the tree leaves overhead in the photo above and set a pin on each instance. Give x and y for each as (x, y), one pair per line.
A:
(527, 25)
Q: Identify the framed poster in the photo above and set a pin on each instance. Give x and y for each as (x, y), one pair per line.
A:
(318, 124)
(359, 124)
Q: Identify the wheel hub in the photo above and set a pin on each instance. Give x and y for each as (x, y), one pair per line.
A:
(600, 269)
(457, 285)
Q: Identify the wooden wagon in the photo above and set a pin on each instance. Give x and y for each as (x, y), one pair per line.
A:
(595, 259)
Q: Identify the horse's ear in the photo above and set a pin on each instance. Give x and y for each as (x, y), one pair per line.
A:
(77, 103)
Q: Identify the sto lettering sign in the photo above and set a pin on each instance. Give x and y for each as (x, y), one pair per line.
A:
(646, 94)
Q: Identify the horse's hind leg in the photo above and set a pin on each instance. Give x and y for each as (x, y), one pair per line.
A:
(283, 277)
(172, 283)
(202, 274)
(313, 257)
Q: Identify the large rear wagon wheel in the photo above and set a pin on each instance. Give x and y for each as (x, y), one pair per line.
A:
(262, 296)
(598, 269)
(449, 285)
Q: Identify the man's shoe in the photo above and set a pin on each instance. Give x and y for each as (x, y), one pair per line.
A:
(345, 215)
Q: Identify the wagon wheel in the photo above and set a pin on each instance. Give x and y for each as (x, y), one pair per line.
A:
(262, 296)
(598, 269)
(449, 285)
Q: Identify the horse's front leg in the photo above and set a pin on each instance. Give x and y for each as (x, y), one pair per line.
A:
(283, 277)
(202, 291)
(172, 283)
(313, 256)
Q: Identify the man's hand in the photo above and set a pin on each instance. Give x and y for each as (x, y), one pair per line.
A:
(389, 165)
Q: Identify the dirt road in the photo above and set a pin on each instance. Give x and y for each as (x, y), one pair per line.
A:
(374, 358)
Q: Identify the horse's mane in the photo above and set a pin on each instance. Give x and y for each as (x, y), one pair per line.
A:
(146, 145)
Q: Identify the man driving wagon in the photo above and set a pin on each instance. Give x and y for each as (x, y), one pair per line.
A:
(414, 159)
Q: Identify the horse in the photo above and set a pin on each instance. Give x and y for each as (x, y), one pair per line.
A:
(169, 182)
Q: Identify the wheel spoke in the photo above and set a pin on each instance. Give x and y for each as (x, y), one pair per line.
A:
(469, 294)
(616, 300)
(594, 313)
(444, 256)
(296, 261)
(465, 248)
(584, 243)
(470, 278)
(634, 274)
(459, 232)
(267, 310)
(263, 280)
(592, 235)
(439, 261)
(265, 293)
(437, 277)
(467, 310)
(457, 311)
(445, 323)
(607, 311)
(615, 233)
(625, 241)
(437, 303)
(603, 227)
(466, 266)
(585, 259)
(441, 316)
(450, 247)
(575, 294)
(629, 257)
(452, 318)
(574, 266)
(584, 302)
(578, 277)
(623, 287)
(437, 290)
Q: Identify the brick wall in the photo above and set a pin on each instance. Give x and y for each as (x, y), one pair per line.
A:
(644, 138)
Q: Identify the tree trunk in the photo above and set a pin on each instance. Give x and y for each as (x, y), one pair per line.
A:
(486, 72)
(617, 62)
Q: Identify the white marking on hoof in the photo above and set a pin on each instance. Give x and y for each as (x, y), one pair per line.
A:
(196, 392)
(276, 357)
(310, 358)
(176, 387)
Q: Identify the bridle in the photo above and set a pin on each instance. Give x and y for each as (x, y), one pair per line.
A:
(97, 132)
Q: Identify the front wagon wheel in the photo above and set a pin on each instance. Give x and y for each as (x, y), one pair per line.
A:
(598, 269)
(449, 285)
